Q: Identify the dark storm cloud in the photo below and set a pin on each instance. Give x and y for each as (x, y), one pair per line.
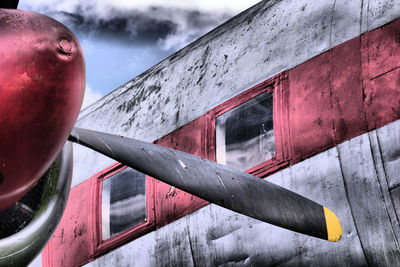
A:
(137, 28)
(167, 27)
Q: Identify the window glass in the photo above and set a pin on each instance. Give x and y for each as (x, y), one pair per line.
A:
(244, 135)
(123, 202)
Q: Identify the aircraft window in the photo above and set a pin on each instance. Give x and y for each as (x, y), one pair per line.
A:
(123, 202)
(244, 135)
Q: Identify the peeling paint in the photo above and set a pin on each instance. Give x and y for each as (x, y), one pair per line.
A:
(286, 45)
(226, 62)
(221, 237)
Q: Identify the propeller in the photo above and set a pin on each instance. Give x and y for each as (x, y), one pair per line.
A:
(219, 184)
(216, 183)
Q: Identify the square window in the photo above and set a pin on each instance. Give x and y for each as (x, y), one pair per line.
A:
(245, 134)
(123, 202)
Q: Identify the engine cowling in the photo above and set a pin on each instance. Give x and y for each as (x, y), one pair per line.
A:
(28, 224)
(42, 81)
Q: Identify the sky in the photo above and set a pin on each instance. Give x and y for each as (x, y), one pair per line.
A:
(121, 39)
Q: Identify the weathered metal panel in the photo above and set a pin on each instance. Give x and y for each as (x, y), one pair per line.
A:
(367, 202)
(72, 243)
(382, 178)
(327, 92)
(381, 55)
(221, 237)
(142, 254)
(383, 98)
(346, 91)
(168, 246)
(219, 184)
(379, 13)
(380, 70)
(248, 49)
(389, 143)
(310, 118)
(173, 246)
(364, 16)
(337, 92)
(221, 65)
(320, 179)
(395, 195)
(346, 19)
(139, 253)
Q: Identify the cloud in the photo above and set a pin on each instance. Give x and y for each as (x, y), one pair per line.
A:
(121, 38)
(167, 24)
(102, 7)
(136, 28)
(90, 97)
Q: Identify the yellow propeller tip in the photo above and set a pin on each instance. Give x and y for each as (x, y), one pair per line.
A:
(333, 226)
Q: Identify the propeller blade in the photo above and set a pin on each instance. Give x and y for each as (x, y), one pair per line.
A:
(216, 183)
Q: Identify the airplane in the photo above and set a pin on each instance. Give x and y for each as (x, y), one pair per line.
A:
(301, 105)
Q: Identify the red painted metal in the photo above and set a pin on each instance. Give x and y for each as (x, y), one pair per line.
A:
(380, 50)
(311, 127)
(349, 118)
(331, 98)
(381, 62)
(78, 239)
(383, 99)
(173, 203)
(42, 81)
(72, 244)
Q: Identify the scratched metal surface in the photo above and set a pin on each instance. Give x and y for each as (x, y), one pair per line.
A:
(365, 195)
(350, 179)
(155, 249)
(250, 48)
(391, 152)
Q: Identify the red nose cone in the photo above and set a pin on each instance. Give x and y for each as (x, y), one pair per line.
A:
(42, 81)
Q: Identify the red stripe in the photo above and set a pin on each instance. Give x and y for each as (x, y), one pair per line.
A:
(340, 94)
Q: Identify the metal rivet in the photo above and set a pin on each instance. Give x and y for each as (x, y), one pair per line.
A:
(65, 46)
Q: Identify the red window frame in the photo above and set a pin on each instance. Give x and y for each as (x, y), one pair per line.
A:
(103, 246)
(277, 85)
